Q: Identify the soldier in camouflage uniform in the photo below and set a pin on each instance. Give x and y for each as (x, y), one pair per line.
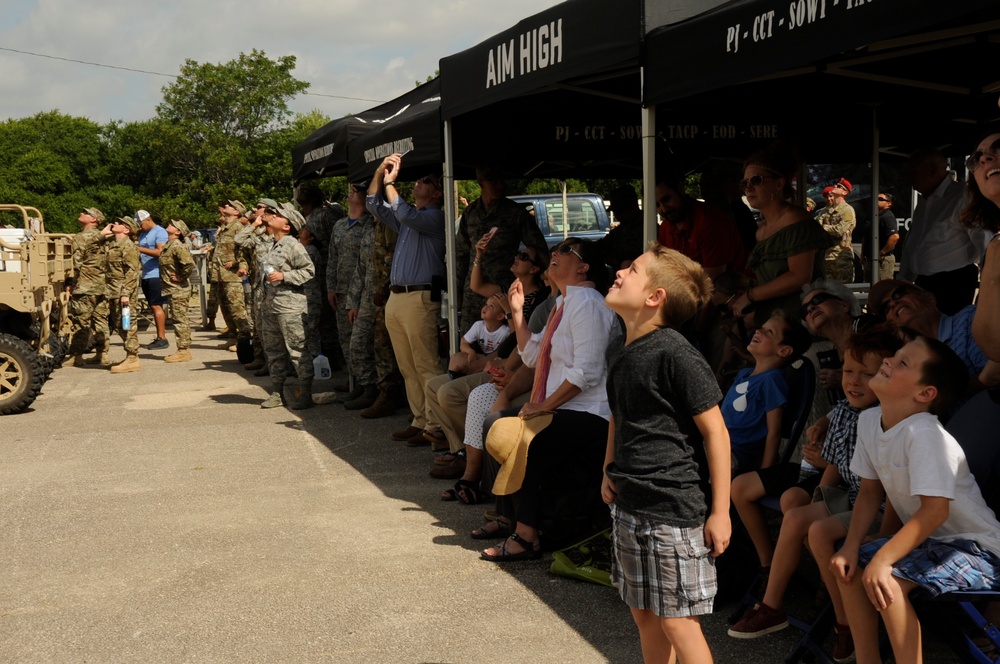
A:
(124, 272)
(314, 294)
(389, 379)
(226, 266)
(286, 268)
(176, 268)
(515, 226)
(212, 305)
(254, 242)
(348, 263)
(320, 218)
(88, 306)
(838, 219)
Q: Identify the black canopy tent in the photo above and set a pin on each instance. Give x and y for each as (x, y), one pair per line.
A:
(850, 81)
(555, 95)
(409, 124)
(324, 152)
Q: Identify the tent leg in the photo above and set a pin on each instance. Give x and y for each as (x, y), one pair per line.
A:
(450, 195)
(649, 231)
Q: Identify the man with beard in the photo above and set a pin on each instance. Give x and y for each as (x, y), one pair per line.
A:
(699, 231)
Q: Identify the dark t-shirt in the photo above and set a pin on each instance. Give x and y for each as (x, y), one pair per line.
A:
(887, 225)
(656, 385)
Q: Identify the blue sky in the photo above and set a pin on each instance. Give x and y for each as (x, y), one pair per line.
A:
(373, 49)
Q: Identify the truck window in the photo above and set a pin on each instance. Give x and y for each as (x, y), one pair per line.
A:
(581, 216)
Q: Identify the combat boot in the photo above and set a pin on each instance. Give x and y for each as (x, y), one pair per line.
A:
(353, 394)
(384, 406)
(273, 401)
(128, 365)
(100, 358)
(262, 371)
(368, 395)
(179, 356)
(258, 363)
(301, 395)
(74, 361)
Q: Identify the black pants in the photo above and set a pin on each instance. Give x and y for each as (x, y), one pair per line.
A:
(573, 439)
(953, 290)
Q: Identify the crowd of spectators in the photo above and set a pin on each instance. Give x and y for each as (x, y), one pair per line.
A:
(616, 390)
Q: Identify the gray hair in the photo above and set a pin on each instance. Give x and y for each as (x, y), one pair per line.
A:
(836, 289)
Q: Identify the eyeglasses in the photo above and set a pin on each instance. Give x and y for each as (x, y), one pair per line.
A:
(894, 296)
(816, 301)
(754, 180)
(972, 163)
(883, 199)
(565, 249)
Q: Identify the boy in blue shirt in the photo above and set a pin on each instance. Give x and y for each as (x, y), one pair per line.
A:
(667, 462)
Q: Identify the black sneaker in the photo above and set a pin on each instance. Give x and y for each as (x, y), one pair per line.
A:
(158, 344)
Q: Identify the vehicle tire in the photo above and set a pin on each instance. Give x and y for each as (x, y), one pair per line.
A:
(20, 375)
(50, 358)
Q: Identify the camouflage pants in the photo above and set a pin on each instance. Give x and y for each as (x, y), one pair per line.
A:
(257, 298)
(328, 322)
(839, 265)
(89, 313)
(387, 371)
(212, 306)
(179, 303)
(284, 336)
(233, 308)
(131, 335)
(362, 345)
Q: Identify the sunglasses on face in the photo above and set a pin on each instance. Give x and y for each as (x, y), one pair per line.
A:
(972, 163)
(429, 180)
(260, 207)
(815, 302)
(754, 180)
(565, 249)
(524, 256)
(883, 199)
(893, 297)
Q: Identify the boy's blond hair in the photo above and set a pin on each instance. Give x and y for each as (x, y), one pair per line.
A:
(687, 285)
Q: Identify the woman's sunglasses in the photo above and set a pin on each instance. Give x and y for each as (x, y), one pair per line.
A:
(568, 249)
(754, 180)
(972, 163)
(816, 301)
(893, 298)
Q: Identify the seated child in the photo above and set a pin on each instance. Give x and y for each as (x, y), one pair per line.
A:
(950, 538)
(836, 492)
(481, 341)
(667, 461)
(752, 406)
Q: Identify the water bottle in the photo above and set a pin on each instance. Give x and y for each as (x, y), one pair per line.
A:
(126, 317)
(321, 367)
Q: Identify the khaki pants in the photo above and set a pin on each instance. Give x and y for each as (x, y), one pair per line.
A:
(447, 400)
(411, 319)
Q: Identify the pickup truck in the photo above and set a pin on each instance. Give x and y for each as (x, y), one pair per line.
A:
(586, 216)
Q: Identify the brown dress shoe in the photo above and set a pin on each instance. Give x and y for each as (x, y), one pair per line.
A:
(407, 433)
(383, 407)
(419, 440)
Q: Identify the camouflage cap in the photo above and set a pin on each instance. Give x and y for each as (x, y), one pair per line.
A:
(181, 226)
(94, 212)
(269, 202)
(294, 217)
(240, 207)
(130, 222)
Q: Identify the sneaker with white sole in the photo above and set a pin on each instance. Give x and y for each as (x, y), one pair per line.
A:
(758, 621)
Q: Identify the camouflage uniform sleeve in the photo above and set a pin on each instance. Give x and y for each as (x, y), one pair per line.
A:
(184, 262)
(331, 262)
(362, 277)
(840, 223)
(301, 266)
(132, 266)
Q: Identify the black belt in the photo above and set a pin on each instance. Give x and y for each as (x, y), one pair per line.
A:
(410, 289)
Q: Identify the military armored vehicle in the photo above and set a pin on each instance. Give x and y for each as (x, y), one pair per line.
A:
(34, 312)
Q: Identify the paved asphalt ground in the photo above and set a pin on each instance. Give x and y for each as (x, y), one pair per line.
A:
(163, 516)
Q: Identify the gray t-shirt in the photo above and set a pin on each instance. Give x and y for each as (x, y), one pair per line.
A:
(656, 385)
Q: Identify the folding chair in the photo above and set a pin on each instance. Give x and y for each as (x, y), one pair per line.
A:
(975, 426)
(801, 378)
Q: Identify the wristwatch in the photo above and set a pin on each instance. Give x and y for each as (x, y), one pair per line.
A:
(509, 315)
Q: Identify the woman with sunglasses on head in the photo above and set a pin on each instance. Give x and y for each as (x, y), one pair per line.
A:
(790, 245)
(569, 382)
(983, 211)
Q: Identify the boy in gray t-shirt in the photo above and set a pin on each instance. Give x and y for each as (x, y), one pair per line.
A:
(667, 462)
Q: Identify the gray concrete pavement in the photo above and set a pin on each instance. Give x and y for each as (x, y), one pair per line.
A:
(163, 516)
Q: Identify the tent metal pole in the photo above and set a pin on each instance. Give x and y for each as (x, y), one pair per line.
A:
(648, 174)
(450, 195)
(873, 241)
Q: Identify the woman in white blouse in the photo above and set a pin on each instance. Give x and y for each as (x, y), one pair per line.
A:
(570, 372)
